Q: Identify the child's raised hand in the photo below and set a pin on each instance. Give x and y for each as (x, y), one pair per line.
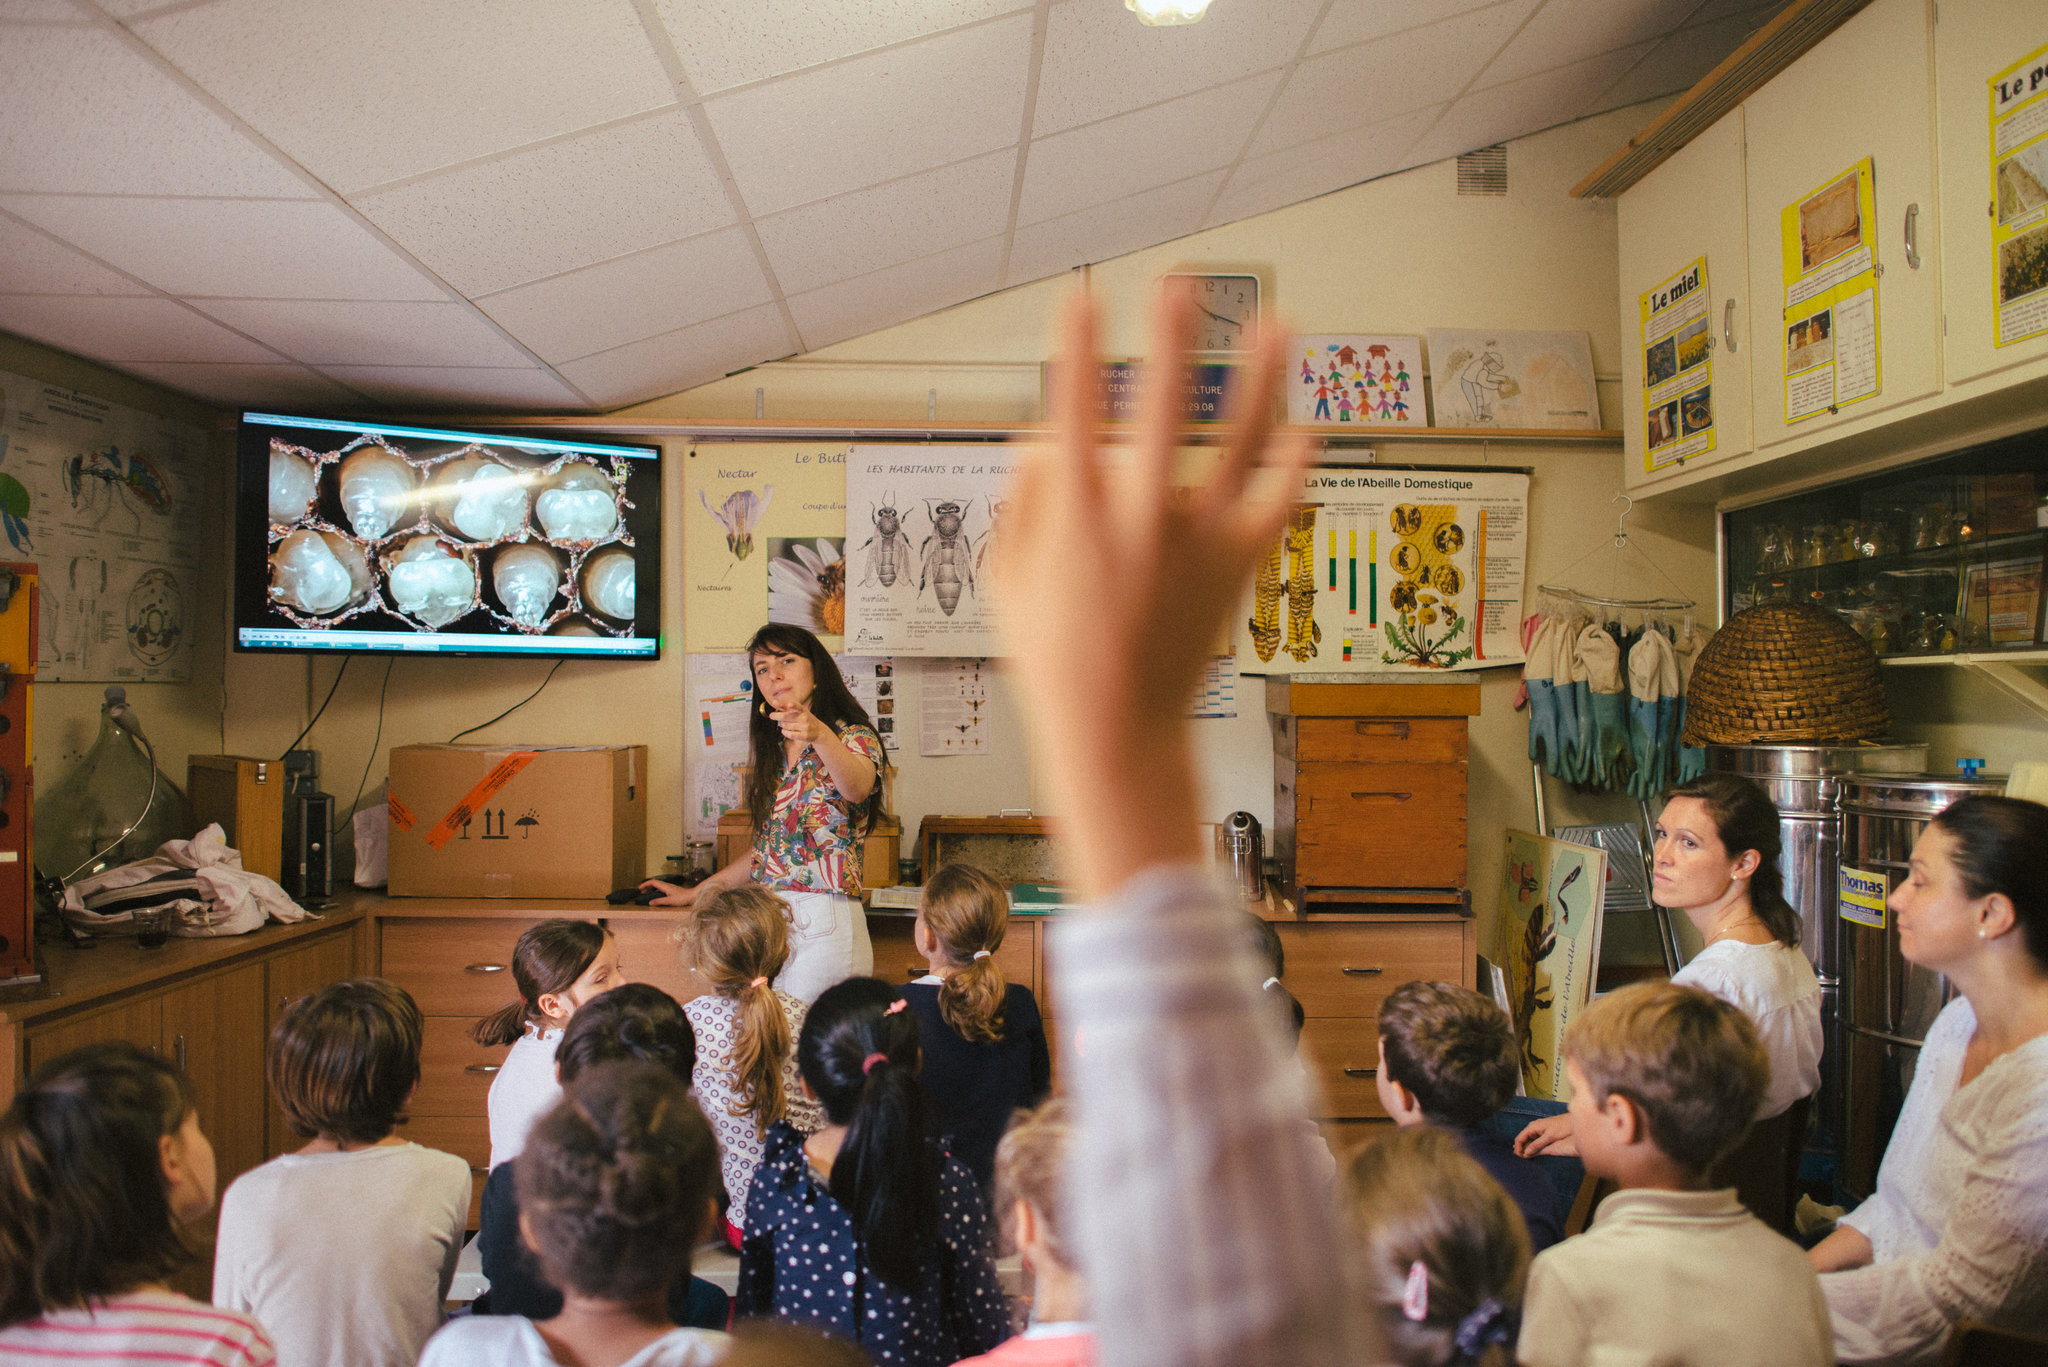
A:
(1113, 586)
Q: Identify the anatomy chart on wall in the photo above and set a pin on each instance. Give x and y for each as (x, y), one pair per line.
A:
(1363, 381)
(921, 522)
(105, 500)
(1393, 569)
(953, 708)
(1678, 390)
(762, 531)
(1512, 379)
(2019, 190)
(1829, 243)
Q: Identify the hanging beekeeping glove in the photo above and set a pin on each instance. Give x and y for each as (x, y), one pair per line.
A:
(1530, 625)
(1564, 640)
(1608, 705)
(1670, 715)
(1545, 744)
(1692, 759)
(1645, 748)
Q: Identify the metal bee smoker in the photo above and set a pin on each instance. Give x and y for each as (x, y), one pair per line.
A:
(1243, 847)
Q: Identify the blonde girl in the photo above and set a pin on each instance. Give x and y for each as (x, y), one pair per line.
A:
(557, 966)
(985, 1055)
(746, 1075)
(1031, 1207)
(1444, 1251)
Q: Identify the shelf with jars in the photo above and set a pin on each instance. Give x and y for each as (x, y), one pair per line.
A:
(1937, 561)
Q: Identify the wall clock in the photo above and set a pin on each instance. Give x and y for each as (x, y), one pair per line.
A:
(1229, 316)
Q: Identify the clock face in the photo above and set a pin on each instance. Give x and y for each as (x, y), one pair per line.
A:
(1228, 319)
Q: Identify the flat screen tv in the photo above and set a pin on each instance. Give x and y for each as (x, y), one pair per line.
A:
(362, 536)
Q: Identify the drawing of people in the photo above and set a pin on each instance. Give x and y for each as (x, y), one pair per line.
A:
(1323, 402)
(1400, 409)
(1483, 377)
(1401, 378)
(1308, 374)
(1343, 405)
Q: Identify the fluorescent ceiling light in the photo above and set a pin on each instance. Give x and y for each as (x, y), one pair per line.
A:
(1161, 13)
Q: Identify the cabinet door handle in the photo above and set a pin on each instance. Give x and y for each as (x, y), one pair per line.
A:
(178, 1050)
(483, 1067)
(1397, 729)
(1384, 797)
(1361, 1072)
(1728, 325)
(1913, 236)
(483, 968)
(1362, 972)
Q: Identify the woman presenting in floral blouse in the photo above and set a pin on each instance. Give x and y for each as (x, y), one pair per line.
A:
(813, 793)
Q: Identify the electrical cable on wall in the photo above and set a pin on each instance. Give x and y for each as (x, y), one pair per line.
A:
(322, 712)
(334, 834)
(510, 710)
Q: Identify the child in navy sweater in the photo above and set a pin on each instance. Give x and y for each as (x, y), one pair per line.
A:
(985, 1056)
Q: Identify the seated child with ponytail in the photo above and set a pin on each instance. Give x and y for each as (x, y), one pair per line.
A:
(867, 1230)
(557, 966)
(746, 1076)
(1031, 1205)
(985, 1055)
(103, 1168)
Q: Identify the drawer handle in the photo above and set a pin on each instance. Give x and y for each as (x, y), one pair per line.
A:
(483, 968)
(1383, 797)
(1361, 1072)
(1397, 729)
(483, 1067)
(1363, 972)
(1728, 325)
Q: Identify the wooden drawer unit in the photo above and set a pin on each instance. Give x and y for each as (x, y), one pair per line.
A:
(1342, 1056)
(647, 954)
(1346, 970)
(897, 959)
(1371, 740)
(455, 1071)
(452, 967)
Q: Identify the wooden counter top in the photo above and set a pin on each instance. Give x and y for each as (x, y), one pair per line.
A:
(384, 906)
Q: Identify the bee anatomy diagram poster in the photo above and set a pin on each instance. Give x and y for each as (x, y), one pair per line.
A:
(764, 527)
(2019, 190)
(1678, 391)
(105, 500)
(1552, 898)
(1392, 569)
(921, 522)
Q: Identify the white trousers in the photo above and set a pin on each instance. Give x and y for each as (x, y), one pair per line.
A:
(828, 943)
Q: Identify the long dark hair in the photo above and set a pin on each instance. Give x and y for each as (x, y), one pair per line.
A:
(2002, 846)
(85, 1212)
(1746, 819)
(859, 1053)
(549, 957)
(831, 703)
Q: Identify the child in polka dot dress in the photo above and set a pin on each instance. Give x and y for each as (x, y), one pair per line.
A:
(868, 1230)
(746, 1077)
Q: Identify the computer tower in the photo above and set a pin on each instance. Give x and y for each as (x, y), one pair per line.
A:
(308, 858)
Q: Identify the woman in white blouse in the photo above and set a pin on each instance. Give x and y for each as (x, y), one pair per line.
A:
(1958, 1228)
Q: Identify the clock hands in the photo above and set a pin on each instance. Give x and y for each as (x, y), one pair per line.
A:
(1217, 316)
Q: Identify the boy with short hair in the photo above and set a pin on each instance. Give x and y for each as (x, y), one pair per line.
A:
(1448, 1058)
(1665, 1080)
(345, 1250)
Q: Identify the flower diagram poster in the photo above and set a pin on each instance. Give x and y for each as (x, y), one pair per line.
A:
(920, 526)
(1678, 392)
(1356, 380)
(105, 500)
(764, 534)
(1393, 569)
(1552, 901)
(1513, 379)
(1828, 240)
(2019, 190)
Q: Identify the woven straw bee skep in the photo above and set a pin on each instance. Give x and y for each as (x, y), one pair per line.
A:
(1785, 674)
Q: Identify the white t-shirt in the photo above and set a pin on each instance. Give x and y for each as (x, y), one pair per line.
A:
(523, 1091)
(344, 1257)
(1774, 986)
(512, 1341)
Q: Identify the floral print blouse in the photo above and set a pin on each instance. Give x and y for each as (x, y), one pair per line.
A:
(811, 842)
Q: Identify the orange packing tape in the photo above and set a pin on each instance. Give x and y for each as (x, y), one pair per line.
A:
(401, 815)
(502, 773)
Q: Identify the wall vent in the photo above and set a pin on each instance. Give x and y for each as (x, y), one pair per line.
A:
(1484, 172)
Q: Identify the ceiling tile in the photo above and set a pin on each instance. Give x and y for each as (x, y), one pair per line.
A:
(1107, 230)
(852, 308)
(347, 332)
(1370, 83)
(1505, 112)
(608, 305)
(82, 111)
(821, 133)
(32, 263)
(544, 210)
(724, 44)
(1568, 31)
(681, 359)
(886, 225)
(248, 386)
(43, 12)
(1094, 164)
(123, 330)
(1679, 61)
(1361, 21)
(270, 249)
(1277, 179)
(1099, 60)
(375, 90)
(429, 387)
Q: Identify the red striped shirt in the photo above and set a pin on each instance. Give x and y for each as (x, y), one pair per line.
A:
(142, 1326)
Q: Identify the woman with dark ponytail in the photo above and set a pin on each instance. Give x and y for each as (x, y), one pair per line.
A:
(985, 1056)
(868, 1229)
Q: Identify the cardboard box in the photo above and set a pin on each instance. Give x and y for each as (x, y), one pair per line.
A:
(502, 821)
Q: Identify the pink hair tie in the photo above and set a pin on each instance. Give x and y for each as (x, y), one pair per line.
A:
(867, 1065)
(758, 982)
(893, 1007)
